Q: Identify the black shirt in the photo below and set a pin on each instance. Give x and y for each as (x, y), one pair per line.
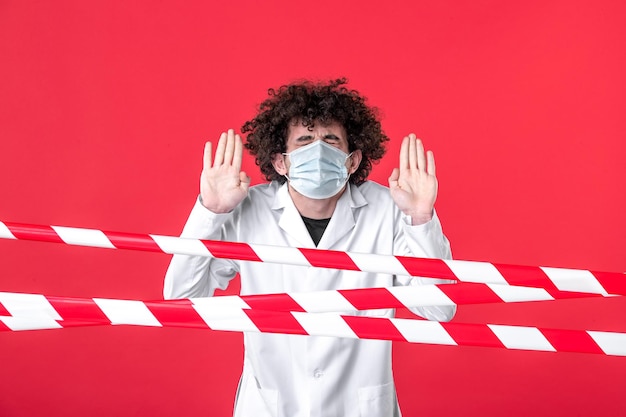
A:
(316, 228)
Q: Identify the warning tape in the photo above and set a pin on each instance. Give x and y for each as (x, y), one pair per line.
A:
(442, 295)
(549, 278)
(36, 312)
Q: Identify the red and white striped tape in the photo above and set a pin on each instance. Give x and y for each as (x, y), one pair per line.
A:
(19, 304)
(549, 278)
(32, 311)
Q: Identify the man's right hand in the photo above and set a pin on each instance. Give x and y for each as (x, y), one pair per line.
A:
(222, 183)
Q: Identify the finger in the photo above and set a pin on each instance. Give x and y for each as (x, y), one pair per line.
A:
(219, 152)
(404, 154)
(413, 162)
(421, 156)
(206, 159)
(431, 163)
(230, 147)
(393, 178)
(238, 154)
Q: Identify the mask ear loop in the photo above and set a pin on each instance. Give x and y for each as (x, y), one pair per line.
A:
(284, 154)
(349, 156)
(349, 173)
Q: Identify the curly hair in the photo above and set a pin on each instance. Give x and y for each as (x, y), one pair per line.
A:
(312, 103)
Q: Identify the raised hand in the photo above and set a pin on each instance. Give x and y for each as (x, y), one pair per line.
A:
(413, 186)
(222, 183)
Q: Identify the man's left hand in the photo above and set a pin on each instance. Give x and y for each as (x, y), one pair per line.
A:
(413, 186)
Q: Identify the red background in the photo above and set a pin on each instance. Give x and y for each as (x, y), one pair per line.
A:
(104, 109)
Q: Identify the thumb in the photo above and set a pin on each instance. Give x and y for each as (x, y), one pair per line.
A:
(244, 179)
(393, 179)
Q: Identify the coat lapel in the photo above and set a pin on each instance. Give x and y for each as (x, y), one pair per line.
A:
(341, 223)
(343, 219)
(290, 220)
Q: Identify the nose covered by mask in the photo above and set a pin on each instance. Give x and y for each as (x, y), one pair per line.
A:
(318, 170)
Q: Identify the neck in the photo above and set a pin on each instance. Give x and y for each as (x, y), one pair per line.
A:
(312, 208)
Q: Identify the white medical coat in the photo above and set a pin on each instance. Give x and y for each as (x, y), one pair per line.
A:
(312, 376)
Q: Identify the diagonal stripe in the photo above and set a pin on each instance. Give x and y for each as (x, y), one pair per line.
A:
(231, 250)
(521, 337)
(324, 324)
(279, 254)
(216, 308)
(28, 305)
(275, 322)
(329, 259)
(574, 280)
(274, 302)
(133, 241)
(30, 323)
(4, 311)
(571, 341)
(34, 232)
(613, 282)
(370, 262)
(529, 276)
(371, 298)
(470, 334)
(421, 331)
(610, 343)
(83, 237)
(512, 294)
(470, 293)
(422, 295)
(169, 244)
(224, 313)
(3, 327)
(176, 312)
(426, 267)
(468, 271)
(322, 301)
(373, 328)
(78, 309)
(5, 233)
(127, 312)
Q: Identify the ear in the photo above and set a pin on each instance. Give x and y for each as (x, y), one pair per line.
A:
(354, 161)
(278, 162)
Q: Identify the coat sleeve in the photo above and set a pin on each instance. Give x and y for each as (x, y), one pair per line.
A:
(199, 276)
(425, 241)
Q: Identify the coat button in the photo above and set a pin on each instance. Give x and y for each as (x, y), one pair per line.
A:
(318, 374)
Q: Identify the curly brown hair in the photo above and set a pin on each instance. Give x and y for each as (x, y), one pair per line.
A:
(311, 103)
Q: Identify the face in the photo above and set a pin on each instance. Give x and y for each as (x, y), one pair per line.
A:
(333, 134)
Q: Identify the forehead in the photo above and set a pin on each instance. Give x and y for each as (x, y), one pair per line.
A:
(297, 129)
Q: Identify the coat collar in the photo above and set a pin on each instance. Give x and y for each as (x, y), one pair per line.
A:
(341, 222)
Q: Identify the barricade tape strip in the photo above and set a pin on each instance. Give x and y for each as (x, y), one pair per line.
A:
(128, 312)
(549, 278)
(24, 304)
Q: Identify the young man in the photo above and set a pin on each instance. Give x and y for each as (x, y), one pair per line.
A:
(316, 144)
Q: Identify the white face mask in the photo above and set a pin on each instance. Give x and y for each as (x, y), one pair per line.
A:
(318, 170)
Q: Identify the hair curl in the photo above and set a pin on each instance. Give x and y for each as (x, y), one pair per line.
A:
(313, 103)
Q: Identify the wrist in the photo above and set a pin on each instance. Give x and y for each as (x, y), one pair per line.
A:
(418, 218)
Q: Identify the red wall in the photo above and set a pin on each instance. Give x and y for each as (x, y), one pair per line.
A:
(104, 109)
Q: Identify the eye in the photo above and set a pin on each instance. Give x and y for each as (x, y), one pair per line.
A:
(304, 140)
(331, 139)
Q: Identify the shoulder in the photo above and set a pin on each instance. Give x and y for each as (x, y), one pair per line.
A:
(261, 195)
(268, 189)
(371, 189)
(372, 195)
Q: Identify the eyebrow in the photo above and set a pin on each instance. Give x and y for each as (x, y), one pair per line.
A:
(309, 137)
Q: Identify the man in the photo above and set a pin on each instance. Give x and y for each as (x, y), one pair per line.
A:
(315, 143)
